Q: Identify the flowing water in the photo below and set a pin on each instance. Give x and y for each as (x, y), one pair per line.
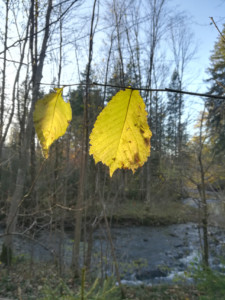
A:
(145, 254)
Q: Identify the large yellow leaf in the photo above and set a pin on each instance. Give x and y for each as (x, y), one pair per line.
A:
(121, 135)
(52, 116)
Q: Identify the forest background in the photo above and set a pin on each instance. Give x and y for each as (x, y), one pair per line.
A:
(94, 50)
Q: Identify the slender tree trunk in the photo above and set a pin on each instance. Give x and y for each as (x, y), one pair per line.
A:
(204, 207)
(17, 197)
(107, 68)
(118, 16)
(156, 11)
(34, 58)
(2, 108)
(204, 215)
(64, 187)
(84, 158)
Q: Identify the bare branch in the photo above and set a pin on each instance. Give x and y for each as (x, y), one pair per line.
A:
(211, 18)
(41, 30)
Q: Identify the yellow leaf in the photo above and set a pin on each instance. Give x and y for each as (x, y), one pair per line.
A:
(52, 116)
(121, 135)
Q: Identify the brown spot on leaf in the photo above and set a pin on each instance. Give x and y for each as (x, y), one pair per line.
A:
(136, 158)
(147, 141)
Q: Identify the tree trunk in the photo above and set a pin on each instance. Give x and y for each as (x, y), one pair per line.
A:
(204, 208)
(84, 158)
(17, 197)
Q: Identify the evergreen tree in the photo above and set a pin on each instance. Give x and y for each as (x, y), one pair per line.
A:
(157, 123)
(76, 100)
(216, 107)
(116, 79)
(175, 127)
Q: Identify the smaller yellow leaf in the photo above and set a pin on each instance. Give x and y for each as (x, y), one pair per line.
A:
(51, 117)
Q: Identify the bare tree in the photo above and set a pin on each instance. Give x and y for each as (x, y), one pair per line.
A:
(197, 171)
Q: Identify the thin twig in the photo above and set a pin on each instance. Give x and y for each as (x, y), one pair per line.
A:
(41, 30)
(167, 90)
(14, 61)
(69, 208)
(220, 84)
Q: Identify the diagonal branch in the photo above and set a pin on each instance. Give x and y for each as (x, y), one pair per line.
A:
(211, 18)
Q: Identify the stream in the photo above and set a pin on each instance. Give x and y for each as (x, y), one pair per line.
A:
(146, 255)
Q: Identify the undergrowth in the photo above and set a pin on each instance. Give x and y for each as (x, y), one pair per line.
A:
(210, 283)
(28, 280)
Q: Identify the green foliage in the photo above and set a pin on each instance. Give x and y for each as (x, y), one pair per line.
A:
(97, 291)
(130, 267)
(62, 291)
(7, 285)
(162, 292)
(211, 283)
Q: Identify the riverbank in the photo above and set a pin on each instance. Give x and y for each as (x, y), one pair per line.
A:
(124, 213)
(158, 214)
(154, 245)
(134, 212)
